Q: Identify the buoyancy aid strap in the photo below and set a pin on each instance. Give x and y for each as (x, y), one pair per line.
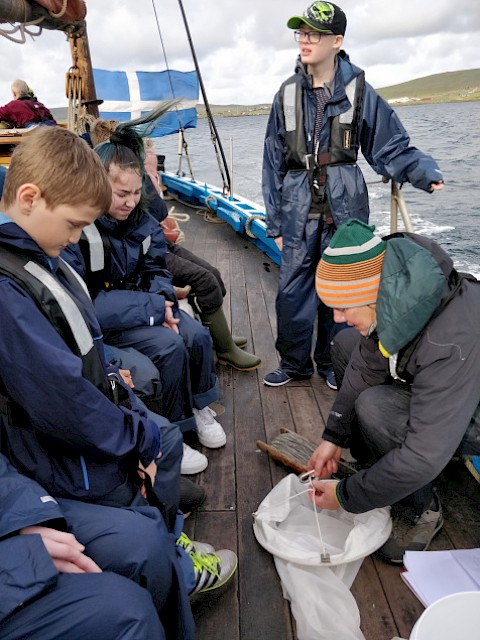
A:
(291, 95)
(96, 252)
(60, 308)
(42, 286)
(78, 326)
(95, 247)
(344, 135)
(344, 143)
(146, 244)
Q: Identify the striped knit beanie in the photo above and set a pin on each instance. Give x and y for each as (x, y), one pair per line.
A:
(348, 274)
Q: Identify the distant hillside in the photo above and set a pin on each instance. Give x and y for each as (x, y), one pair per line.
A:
(454, 86)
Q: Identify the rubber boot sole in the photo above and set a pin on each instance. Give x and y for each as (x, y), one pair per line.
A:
(220, 360)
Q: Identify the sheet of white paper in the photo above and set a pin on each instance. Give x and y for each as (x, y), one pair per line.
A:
(434, 574)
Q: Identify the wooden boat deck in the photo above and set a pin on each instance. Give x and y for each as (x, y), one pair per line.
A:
(239, 476)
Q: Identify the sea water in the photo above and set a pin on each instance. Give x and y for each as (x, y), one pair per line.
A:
(449, 132)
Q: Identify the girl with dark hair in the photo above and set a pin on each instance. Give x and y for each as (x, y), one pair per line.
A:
(132, 289)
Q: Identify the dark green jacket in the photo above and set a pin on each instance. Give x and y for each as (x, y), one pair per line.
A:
(432, 329)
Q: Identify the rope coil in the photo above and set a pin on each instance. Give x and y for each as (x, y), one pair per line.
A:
(209, 202)
(248, 223)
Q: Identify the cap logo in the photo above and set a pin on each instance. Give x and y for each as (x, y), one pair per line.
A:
(321, 12)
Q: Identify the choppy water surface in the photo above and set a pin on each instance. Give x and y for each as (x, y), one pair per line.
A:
(449, 132)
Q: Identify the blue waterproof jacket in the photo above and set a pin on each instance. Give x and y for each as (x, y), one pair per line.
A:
(66, 433)
(139, 282)
(26, 569)
(383, 141)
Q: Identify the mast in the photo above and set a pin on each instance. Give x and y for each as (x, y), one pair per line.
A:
(228, 186)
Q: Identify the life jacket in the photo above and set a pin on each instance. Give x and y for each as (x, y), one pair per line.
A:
(56, 303)
(344, 142)
(97, 253)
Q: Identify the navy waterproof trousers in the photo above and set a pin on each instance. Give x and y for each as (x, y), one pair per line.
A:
(133, 547)
(79, 606)
(184, 361)
(298, 305)
(134, 542)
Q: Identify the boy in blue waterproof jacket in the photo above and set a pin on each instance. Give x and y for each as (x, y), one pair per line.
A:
(321, 117)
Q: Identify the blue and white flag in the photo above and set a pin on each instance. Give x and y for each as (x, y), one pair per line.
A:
(128, 95)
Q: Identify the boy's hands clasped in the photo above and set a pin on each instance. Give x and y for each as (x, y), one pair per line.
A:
(170, 321)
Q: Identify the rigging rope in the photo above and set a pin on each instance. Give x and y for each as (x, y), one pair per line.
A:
(181, 130)
(22, 28)
(213, 134)
(62, 11)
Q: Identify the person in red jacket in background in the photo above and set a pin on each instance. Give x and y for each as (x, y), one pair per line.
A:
(24, 109)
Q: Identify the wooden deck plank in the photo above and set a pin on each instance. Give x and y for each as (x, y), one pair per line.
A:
(375, 614)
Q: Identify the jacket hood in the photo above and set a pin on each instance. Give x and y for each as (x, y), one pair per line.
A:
(414, 280)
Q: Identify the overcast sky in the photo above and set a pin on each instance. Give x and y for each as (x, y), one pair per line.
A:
(244, 48)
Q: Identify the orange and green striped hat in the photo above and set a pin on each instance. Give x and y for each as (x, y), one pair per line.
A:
(348, 274)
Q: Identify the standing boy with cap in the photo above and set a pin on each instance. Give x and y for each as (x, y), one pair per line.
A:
(409, 398)
(320, 118)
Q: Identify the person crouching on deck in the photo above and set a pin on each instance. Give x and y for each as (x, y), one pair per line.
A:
(78, 432)
(409, 396)
(133, 292)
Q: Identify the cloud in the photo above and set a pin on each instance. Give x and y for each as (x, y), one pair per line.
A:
(244, 48)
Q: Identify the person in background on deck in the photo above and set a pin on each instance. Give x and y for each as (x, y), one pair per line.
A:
(24, 109)
(205, 282)
(79, 432)
(312, 184)
(410, 393)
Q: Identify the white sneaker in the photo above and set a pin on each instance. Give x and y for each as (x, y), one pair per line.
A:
(193, 461)
(209, 431)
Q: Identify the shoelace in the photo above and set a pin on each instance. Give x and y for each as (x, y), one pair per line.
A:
(205, 562)
(189, 546)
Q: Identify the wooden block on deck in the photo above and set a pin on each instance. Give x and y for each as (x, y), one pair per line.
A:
(289, 448)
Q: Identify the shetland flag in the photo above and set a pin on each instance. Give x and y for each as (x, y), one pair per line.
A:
(129, 94)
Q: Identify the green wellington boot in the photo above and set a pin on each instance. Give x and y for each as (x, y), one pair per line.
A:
(226, 349)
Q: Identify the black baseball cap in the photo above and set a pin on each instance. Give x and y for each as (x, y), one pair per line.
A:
(324, 17)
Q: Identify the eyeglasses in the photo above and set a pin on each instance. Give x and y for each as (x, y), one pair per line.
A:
(313, 37)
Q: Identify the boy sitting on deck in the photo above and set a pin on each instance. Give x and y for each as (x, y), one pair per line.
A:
(55, 586)
(78, 432)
